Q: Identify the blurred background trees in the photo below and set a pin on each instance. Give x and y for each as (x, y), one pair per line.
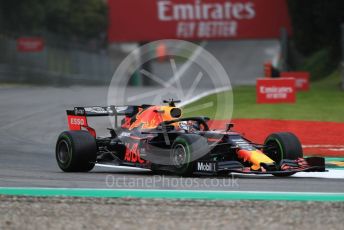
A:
(71, 18)
(317, 34)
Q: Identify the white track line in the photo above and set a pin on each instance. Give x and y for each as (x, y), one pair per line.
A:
(323, 146)
(331, 174)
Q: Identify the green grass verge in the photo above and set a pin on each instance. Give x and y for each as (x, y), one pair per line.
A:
(324, 102)
(210, 106)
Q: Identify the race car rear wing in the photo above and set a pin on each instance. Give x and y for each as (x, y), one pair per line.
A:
(96, 111)
(77, 118)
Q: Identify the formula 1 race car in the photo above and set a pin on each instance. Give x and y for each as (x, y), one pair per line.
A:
(159, 138)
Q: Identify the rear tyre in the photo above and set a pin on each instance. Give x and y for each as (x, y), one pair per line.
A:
(284, 145)
(185, 150)
(76, 151)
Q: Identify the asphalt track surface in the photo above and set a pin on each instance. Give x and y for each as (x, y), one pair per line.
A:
(31, 119)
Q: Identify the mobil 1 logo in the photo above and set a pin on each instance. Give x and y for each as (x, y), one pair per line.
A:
(206, 166)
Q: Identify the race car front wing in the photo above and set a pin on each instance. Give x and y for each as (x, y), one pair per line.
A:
(310, 164)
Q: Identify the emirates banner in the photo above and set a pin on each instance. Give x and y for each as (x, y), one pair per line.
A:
(146, 20)
(275, 90)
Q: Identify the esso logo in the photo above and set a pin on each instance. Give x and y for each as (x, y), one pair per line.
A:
(77, 121)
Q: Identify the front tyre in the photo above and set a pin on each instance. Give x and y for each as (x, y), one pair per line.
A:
(284, 145)
(76, 151)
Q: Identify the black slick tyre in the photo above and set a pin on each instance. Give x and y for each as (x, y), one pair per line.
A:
(283, 145)
(76, 151)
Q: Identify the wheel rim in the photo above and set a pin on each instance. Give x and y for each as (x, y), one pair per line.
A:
(179, 155)
(274, 152)
(63, 154)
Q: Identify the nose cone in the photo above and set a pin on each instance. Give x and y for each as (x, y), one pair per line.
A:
(255, 157)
